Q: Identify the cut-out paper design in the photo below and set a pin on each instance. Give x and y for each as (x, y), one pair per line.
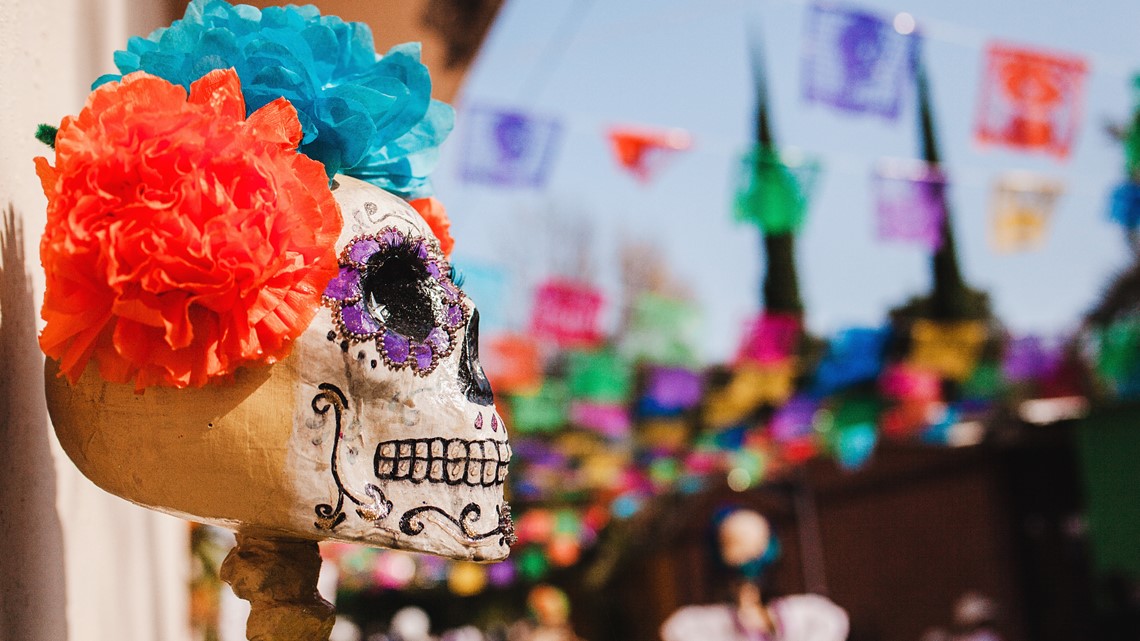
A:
(856, 61)
(603, 470)
(907, 418)
(1030, 99)
(985, 382)
(799, 450)
(906, 383)
(508, 148)
(854, 355)
(663, 434)
(794, 419)
(1031, 358)
(513, 363)
(643, 151)
(542, 411)
(1124, 206)
(608, 419)
(948, 348)
(662, 331)
(770, 338)
(774, 190)
(856, 410)
(1021, 207)
(599, 376)
(663, 472)
(910, 202)
(669, 391)
(567, 313)
(752, 386)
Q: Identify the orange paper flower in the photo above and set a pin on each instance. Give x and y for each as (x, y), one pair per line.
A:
(183, 240)
(434, 214)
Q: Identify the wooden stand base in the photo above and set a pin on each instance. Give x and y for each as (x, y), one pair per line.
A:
(279, 579)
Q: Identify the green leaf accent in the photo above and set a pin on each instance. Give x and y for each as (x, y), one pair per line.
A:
(46, 134)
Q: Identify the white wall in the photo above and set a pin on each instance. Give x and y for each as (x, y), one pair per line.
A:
(75, 562)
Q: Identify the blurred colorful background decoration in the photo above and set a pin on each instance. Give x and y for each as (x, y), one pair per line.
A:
(599, 434)
(610, 419)
(615, 415)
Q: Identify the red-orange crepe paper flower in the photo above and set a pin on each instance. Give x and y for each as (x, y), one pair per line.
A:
(183, 240)
(435, 215)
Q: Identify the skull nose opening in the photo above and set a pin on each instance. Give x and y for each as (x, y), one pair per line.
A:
(472, 380)
(397, 291)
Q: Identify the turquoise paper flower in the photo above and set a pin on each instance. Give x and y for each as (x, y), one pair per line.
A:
(363, 115)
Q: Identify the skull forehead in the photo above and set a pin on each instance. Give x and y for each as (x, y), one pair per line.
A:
(367, 208)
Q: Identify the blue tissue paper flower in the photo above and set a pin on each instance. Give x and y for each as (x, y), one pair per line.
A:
(362, 115)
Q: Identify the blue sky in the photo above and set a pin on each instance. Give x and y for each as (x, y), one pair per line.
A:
(684, 63)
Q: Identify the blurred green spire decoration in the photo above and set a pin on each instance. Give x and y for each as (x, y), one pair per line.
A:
(950, 297)
(775, 191)
(774, 195)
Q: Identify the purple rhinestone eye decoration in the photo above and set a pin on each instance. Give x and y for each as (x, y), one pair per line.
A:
(394, 289)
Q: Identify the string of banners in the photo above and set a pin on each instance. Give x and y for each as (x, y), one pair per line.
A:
(910, 199)
(859, 62)
(600, 430)
(856, 62)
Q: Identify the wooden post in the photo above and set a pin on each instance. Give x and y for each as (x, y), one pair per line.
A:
(279, 579)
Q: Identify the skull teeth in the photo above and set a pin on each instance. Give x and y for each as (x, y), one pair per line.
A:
(438, 460)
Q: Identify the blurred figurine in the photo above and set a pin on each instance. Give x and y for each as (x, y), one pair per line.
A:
(975, 618)
(745, 544)
(551, 610)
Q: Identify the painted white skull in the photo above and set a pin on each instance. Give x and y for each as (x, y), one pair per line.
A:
(394, 405)
(380, 427)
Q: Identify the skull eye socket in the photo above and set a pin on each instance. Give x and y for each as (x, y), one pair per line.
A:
(400, 292)
(393, 288)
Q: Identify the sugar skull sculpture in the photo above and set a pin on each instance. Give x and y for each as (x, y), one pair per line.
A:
(251, 337)
(379, 427)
